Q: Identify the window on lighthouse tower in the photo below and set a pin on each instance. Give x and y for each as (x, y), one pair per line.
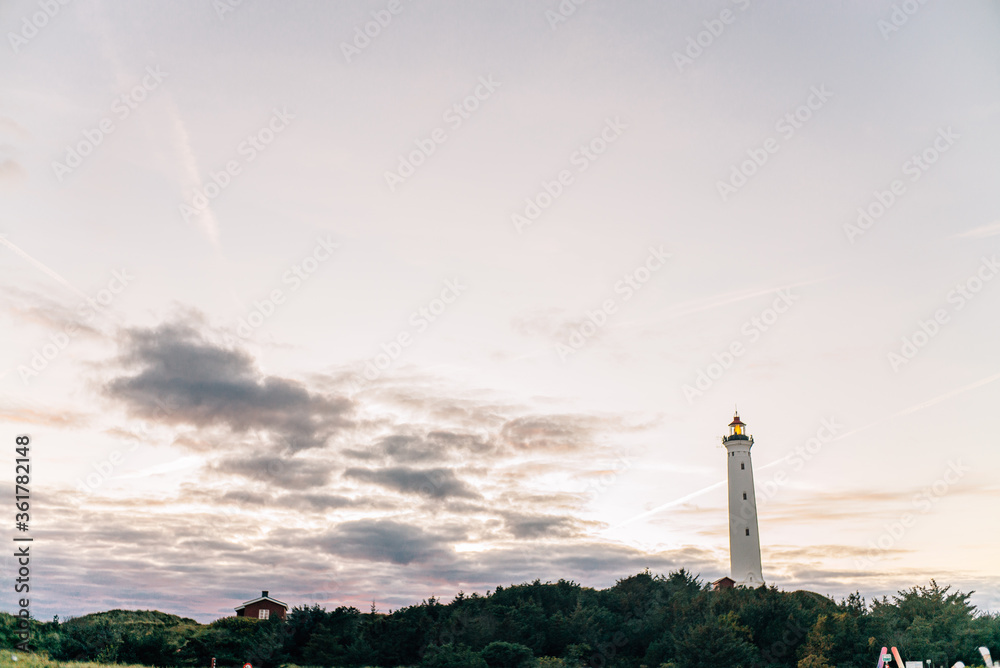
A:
(742, 466)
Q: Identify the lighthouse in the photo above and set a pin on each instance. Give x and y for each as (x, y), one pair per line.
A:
(744, 541)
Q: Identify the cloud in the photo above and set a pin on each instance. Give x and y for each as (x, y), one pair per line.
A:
(11, 170)
(244, 498)
(320, 502)
(539, 526)
(36, 309)
(437, 483)
(981, 232)
(385, 540)
(310, 502)
(548, 323)
(435, 446)
(549, 432)
(276, 469)
(22, 411)
(11, 127)
(185, 379)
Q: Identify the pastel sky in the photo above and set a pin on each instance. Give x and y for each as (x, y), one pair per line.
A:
(470, 299)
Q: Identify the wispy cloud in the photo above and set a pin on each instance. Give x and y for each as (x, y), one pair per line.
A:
(981, 232)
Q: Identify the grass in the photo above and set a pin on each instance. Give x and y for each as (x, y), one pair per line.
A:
(25, 660)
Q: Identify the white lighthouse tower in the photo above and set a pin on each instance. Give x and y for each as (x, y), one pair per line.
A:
(744, 541)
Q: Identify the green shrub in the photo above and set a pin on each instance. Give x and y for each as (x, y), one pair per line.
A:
(507, 655)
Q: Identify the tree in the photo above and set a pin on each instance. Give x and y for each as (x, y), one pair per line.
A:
(302, 623)
(507, 655)
(929, 623)
(818, 646)
(720, 642)
(452, 656)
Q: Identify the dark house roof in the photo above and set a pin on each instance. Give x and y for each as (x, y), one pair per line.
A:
(263, 597)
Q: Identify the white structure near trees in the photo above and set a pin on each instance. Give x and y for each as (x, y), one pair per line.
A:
(744, 541)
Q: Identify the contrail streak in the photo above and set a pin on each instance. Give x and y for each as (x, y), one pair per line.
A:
(42, 267)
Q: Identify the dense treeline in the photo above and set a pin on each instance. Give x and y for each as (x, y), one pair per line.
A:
(644, 620)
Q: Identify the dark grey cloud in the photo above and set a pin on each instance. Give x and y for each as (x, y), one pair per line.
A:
(210, 545)
(317, 501)
(276, 469)
(433, 446)
(307, 501)
(539, 526)
(436, 483)
(244, 498)
(386, 540)
(184, 379)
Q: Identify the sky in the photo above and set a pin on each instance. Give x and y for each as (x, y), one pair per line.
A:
(375, 301)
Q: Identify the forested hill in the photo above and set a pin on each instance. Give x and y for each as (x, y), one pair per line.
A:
(644, 620)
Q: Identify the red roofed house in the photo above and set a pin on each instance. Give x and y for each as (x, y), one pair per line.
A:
(263, 608)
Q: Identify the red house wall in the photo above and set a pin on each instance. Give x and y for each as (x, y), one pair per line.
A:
(253, 609)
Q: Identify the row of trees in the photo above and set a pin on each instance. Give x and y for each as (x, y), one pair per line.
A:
(644, 620)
